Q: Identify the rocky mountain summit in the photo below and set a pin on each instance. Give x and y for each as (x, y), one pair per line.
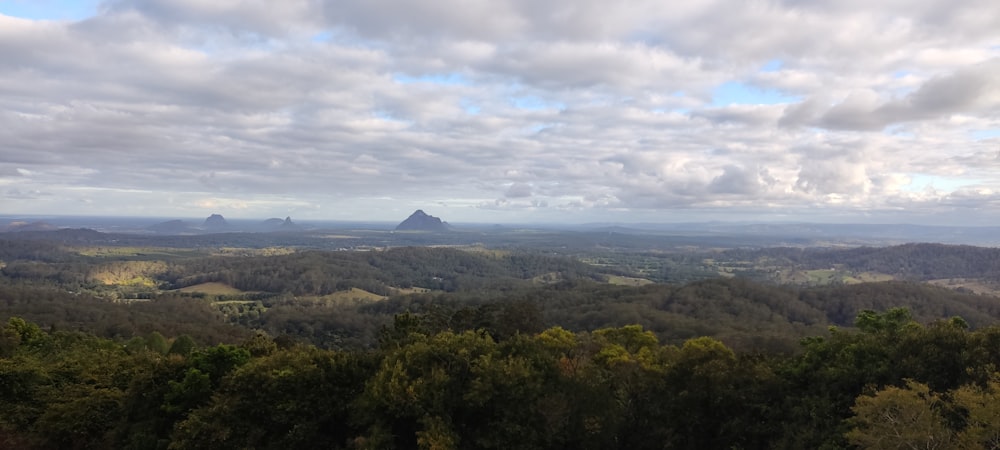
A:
(215, 222)
(421, 221)
(276, 224)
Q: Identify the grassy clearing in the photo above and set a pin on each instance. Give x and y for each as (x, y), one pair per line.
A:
(971, 284)
(493, 253)
(352, 294)
(211, 288)
(348, 297)
(411, 290)
(870, 277)
(822, 276)
(628, 281)
(547, 278)
(244, 251)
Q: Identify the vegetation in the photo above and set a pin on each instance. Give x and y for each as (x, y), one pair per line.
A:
(892, 383)
(105, 346)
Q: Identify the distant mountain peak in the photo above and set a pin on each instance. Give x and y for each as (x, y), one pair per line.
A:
(421, 221)
(215, 221)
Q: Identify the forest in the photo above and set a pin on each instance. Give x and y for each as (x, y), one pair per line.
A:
(888, 383)
(118, 345)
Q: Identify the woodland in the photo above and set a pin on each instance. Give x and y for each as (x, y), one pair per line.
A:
(117, 345)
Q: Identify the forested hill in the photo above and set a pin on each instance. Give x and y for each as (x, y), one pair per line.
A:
(340, 299)
(743, 314)
(380, 272)
(908, 261)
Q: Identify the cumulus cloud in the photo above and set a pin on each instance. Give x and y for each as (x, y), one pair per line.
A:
(580, 108)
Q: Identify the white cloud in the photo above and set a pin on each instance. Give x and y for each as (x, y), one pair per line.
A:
(581, 108)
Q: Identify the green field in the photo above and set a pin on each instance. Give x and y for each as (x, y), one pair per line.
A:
(352, 294)
(627, 281)
(211, 288)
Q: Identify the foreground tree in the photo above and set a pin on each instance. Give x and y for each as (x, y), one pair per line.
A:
(901, 418)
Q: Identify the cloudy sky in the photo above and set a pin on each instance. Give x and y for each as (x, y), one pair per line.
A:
(499, 111)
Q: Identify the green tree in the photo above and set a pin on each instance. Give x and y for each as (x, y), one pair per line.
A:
(183, 345)
(157, 343)
(299, 398)
(907, 417)
(981, 405)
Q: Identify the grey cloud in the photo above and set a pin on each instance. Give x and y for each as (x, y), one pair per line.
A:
(972, 199)
(963, 91)
(750, 115)
(838, 176)
(25, 195)
(735, 180)
(945, 95)
(9, 171)
(805, 113)
(857, 112)
(563, 65)
(256, 17)
(518, 190)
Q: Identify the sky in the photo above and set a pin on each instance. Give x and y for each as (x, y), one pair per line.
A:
(503, 111)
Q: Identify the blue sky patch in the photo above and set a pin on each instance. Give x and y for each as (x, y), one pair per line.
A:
(918, 181)
(469, 107)
(735, 92)
(898, 130)
(985, 134)
(49, 9)
(532, 102)
(773, 65)
(324, 36)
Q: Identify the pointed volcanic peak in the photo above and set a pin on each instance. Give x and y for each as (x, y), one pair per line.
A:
(288, 224)
(276, 224)
(215, 222)
(421, 221)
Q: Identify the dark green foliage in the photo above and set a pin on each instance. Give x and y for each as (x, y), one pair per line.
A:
(157, 343)
(182, 346)
(299, 398)
(611, 388)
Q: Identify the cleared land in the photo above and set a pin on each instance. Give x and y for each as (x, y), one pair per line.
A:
(211, 288)
(627, 281)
